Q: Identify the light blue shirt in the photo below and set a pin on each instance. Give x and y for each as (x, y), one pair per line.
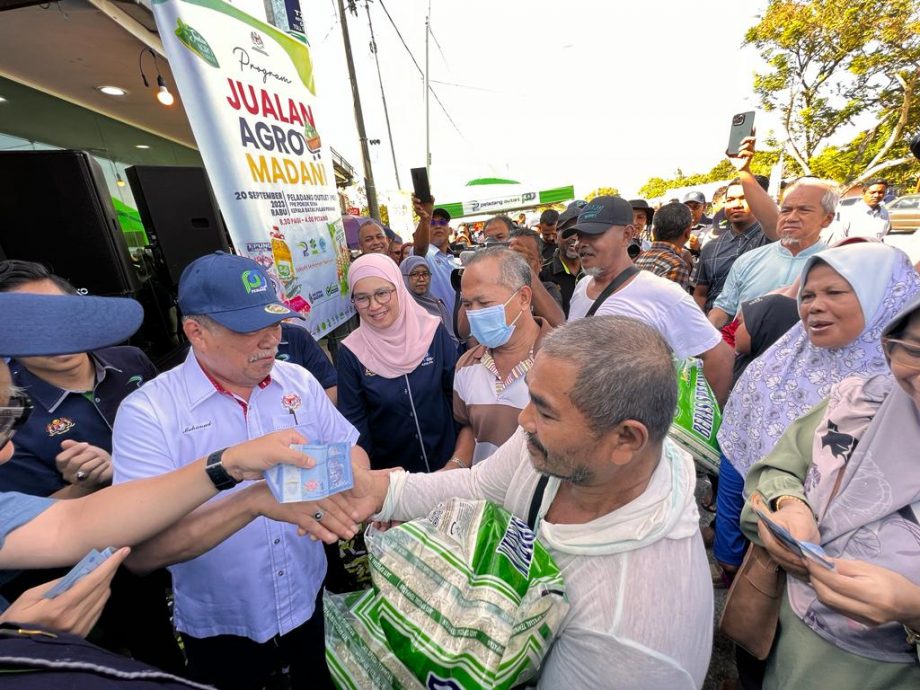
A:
(441, 265)
(759, 271)
(262, 581)
(17, 509)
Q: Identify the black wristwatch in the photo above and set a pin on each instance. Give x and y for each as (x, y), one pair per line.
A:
(221, 479)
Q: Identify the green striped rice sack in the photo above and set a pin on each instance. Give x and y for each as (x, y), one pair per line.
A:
(465, 598)
(697, 419)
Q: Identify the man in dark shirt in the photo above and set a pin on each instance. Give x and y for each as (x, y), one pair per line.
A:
(547, 227)
(64, 450)
(718, 256)
(564, 268)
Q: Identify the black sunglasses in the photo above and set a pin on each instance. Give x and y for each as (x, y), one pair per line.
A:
(13, 416)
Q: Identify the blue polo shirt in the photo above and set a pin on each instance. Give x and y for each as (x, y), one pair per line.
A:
(58, 415)
(299, 347)
(759, 271)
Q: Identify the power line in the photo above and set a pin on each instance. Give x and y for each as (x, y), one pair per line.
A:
(440, 50)
(422, 73)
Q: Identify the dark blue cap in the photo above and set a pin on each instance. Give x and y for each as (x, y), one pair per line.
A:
(38, 325)
(233, 290)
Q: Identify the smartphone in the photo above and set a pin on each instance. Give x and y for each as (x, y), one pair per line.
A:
(420, 186)
(742, 126)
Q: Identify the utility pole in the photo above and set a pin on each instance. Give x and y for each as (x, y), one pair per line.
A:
(383, 95)
(369, 187)
(427, 88)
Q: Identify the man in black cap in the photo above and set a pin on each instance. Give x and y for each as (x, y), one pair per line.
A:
(642, 219)
(702, 224)
(615, 286)
(548, 228)
(564, 266)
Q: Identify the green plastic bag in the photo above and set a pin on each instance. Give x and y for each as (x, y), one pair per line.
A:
(698, 417)
(465, 598)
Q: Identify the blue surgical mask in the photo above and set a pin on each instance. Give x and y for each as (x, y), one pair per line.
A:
(488, 325)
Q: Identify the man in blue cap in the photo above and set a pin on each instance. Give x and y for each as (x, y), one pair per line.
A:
(246, 589)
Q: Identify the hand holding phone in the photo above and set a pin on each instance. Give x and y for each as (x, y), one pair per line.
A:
(420, 185)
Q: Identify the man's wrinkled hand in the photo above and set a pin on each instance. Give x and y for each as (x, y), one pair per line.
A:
(328, 520)
(74, 611)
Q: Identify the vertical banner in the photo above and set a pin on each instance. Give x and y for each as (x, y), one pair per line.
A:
(250, 98)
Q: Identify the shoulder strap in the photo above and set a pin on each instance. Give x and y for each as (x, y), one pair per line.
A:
(615, 284)
(536, 501)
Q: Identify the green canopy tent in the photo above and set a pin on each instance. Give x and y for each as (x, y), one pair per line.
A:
(492, 195)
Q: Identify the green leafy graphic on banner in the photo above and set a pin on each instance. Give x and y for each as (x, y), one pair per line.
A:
(195, 42)
(298, 52)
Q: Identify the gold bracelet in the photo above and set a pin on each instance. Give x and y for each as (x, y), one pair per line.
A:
(778, 503)
(459, 462)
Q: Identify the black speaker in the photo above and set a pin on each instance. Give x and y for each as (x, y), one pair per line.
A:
(55, 209)
(179, 213)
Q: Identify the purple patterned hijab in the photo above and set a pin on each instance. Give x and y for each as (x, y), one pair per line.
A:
(793, 375)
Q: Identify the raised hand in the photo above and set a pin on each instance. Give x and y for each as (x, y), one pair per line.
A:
(746, 151)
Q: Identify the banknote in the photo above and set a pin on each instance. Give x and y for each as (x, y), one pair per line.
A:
(330, 475)
(87, 564)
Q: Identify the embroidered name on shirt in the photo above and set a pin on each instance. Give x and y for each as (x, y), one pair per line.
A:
(427, 361)
(517, 545)
(196, 427)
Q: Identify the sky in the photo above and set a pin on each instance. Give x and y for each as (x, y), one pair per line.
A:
(590, 93)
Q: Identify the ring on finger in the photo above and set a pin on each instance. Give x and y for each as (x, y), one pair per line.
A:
(318, 515)
(81, 475)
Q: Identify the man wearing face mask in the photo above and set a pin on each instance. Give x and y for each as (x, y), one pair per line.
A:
(489, 386)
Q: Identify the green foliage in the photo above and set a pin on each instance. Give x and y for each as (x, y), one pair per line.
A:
(832, 61)
(602, 191)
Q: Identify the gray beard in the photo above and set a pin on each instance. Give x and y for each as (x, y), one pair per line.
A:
(594, 272)
(790, 242)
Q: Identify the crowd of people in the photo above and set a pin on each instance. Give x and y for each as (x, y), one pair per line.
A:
(534, 369)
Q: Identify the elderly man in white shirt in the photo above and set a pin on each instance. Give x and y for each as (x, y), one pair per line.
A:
(617, 513)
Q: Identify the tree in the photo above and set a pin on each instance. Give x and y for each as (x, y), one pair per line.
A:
(832, 62)
(602, 191)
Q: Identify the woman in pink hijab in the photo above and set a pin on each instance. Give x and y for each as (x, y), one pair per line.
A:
(396, 372)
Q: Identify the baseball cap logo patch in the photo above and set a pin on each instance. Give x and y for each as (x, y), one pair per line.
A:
(275, 309)
(254, 281)
(590, 212)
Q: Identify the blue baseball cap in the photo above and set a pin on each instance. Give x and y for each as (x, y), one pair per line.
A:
(47, 325)
(233, 290)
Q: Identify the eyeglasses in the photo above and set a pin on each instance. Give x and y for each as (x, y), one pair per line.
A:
(419, 275)
(439, 223)
(381, 297)
(902, 353)
(13, 416)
